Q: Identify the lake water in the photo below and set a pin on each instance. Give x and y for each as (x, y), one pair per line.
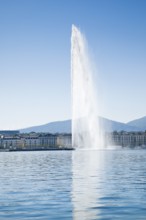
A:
(79, 185)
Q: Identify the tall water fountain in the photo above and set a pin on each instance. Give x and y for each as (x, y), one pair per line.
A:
(86, 128)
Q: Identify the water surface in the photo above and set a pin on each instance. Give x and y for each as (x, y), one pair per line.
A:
(73, 185)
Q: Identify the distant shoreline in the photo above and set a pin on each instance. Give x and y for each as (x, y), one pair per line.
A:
(50, 149)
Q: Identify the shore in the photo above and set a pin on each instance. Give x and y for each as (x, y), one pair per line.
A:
(39, 149)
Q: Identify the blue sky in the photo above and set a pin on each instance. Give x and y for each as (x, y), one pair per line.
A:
(35, 58)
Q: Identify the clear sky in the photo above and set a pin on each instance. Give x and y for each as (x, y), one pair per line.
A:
(35, 58)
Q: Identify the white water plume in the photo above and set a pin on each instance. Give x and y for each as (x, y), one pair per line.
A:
(86, 128)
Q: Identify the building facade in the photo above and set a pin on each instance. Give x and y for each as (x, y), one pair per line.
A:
(64, 140)
(36, 141)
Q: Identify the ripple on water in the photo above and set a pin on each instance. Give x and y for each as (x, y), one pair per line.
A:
(73, 185)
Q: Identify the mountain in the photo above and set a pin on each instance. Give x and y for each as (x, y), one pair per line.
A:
(52, 127)
(110, 125)
(65, 127)
(139, 123)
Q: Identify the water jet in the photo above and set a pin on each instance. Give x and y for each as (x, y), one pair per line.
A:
(86, 128)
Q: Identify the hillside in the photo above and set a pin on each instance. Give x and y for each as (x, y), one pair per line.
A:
(65, 126)
(139, 123)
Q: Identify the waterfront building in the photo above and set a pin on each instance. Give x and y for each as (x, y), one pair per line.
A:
(64, 140)
(10, 142)
(30, 143)
(36, 141)
(48, 140)
(128, 139)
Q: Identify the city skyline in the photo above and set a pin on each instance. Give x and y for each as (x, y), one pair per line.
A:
(35, 58)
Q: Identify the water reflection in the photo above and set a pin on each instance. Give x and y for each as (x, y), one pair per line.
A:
(109, 185)
(88, 174)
